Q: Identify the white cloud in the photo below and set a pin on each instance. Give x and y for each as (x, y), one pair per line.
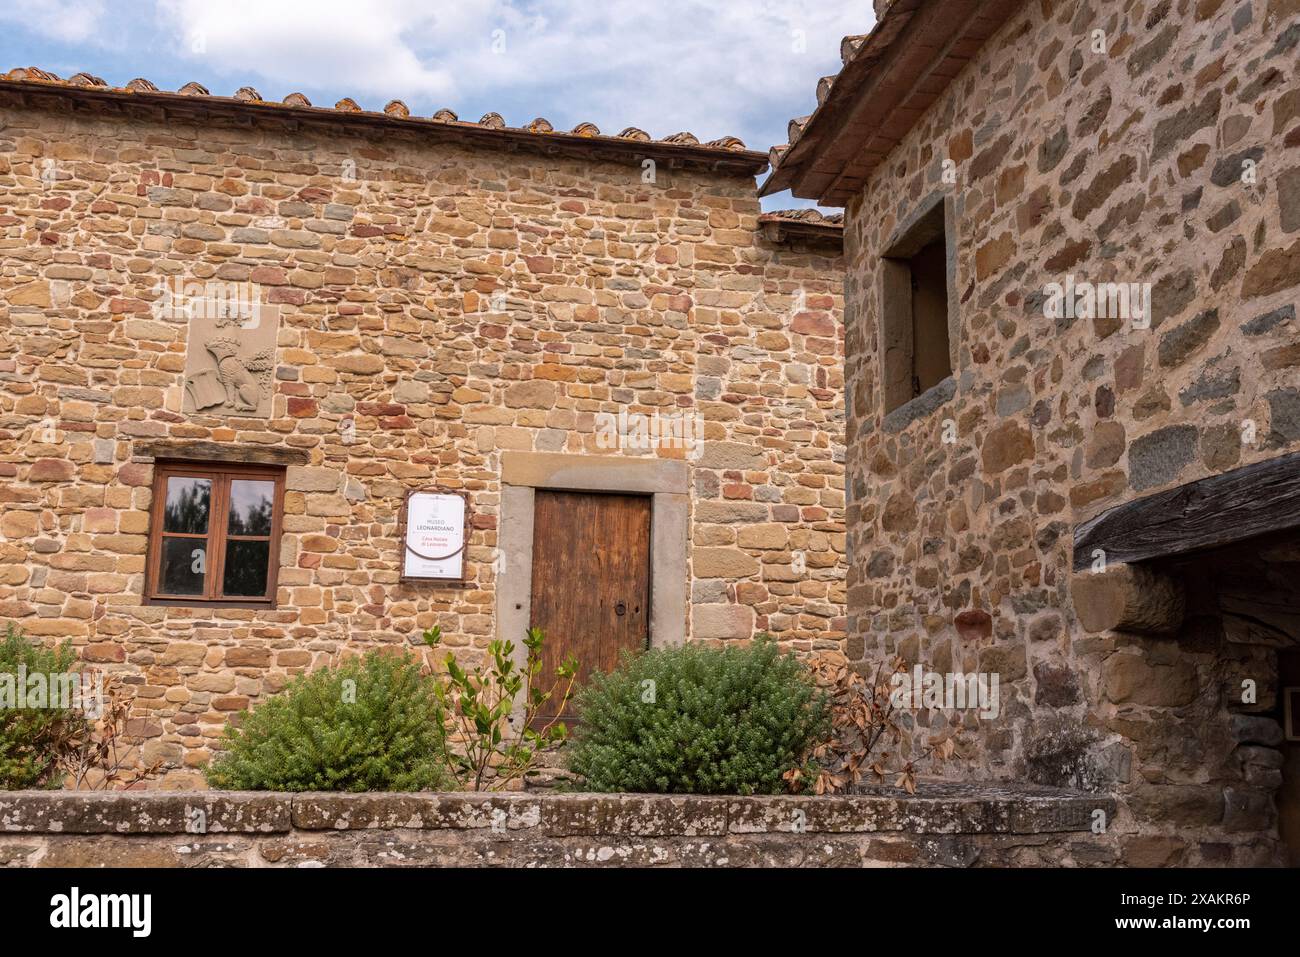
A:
(710, 67)
(67, 21)
(372, 48)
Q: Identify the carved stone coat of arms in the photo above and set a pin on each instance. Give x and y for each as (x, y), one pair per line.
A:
(230, 360)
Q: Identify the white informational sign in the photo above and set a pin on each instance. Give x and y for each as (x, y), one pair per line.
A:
(435, 536)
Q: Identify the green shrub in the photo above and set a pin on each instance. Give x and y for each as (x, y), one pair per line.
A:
(35, 742)
(371, 724)
(698, 720)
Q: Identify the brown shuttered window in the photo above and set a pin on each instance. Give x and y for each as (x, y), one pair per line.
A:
(214, 535)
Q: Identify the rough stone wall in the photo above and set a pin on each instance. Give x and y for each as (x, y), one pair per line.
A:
(958, 827)
(1127, 166)
(438, 306)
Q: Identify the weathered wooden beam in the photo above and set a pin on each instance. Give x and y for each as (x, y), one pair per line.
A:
(196, 450)
(1128, 598)
(1215, 511)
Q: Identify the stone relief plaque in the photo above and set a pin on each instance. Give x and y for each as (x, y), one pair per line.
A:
(230, 356)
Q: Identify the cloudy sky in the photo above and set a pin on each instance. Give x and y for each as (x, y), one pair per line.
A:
(713, 67)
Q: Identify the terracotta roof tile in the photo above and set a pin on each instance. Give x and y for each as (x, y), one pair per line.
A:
(249, 97)
(31, 74)
(727, 143)
(849, 46)
(824, 88)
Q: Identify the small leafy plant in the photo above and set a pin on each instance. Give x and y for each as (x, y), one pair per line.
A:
(698, 720)
(490, 750)
(373, 723)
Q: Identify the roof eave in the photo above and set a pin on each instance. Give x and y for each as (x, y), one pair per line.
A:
(806, 225)
(902, 67)
(680, 155)
(777, 231)
(835, 99)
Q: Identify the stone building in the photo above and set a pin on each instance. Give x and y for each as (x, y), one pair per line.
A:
(234, 335)
(1072, 235)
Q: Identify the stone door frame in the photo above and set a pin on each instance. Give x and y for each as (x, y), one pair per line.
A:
(666, 481)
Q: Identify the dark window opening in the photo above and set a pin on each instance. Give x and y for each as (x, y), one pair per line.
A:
(930, 364)
(915, 310)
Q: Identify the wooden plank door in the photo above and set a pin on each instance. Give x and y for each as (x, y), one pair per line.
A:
(591, 580)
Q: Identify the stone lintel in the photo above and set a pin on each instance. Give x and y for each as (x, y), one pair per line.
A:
(594, 473)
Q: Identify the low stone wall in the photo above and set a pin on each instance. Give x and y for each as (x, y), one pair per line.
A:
(941, 825)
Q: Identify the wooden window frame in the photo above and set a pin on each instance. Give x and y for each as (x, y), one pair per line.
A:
(221, 475)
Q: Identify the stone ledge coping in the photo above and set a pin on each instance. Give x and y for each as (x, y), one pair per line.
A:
(934, 809)
(921, 406)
